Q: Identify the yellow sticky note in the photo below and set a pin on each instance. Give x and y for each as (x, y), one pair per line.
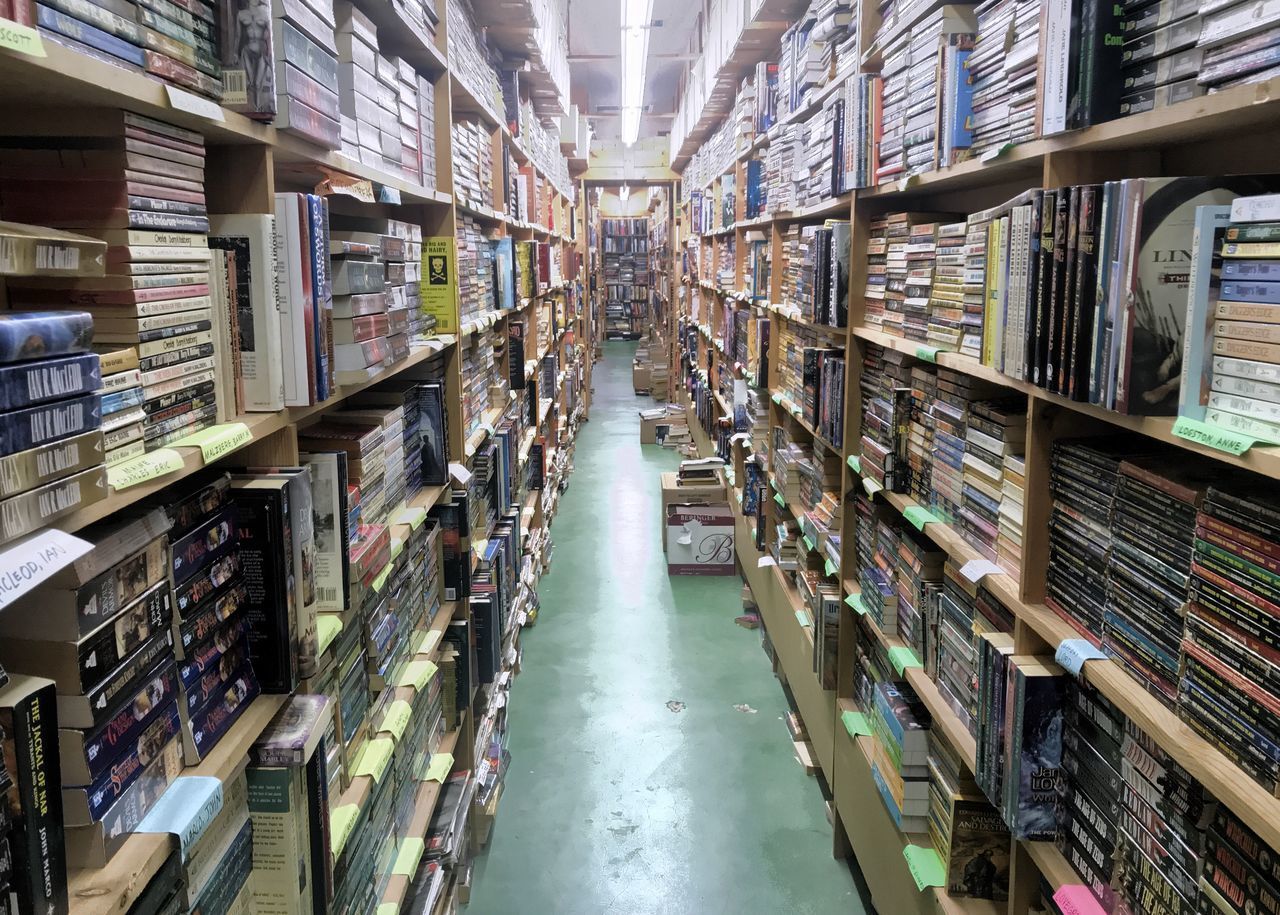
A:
(417, 673)
(441, 765)
(412, 516)
(375, 758)
(407, 860)
(328, 625)
(380, 581)
(387, 908)
(427, 642)
(217, 441)
(21, 38)
(342, 820)
(397, 547)
(144, 467)
(397, 719)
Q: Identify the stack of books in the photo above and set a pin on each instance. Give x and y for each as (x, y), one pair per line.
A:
(359, 88)
(996, 431)
(885, 408)
(945, 328)
(965, 829)
(1234, 50)
(307, 281)
(900, 755)
(1161, 55)
(472, 163)
(1003, 74)
(918, 578)
(469, 57)
(138, 185)
(122, 399)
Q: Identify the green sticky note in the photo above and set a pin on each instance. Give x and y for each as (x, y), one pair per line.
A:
(441, 765)
(412, 516)
(903, 657)
(427, 642)
(1215, 437)
(417, 673)
(328, 625)
(856, 724)
(380, 581)
(777, 398)
(925, 865)
(808, 541)
(919, 516)
(855, 601)
(397, 719)
(342, 820)
(855, 463)
(803, 618)
(218, 441)
(375, 758)
(927, 353)
(830, 567)
(777, 497)
(21, 38)
(387, 908)
(407, 860)
(397, 547)
(871, 486)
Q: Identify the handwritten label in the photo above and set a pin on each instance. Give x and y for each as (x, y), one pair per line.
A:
(387, 908)
(855, 601)
(441, 765)
(181, 100)
(977, 569)
(919, 516)
(903, 657)
(407, 860)
(925, 866)
(375, 758)
(777, 497)
(397, 719)
(21, 38)
(1215, 437)
(218, 441)
(328, 625)
(871, 486)
(803, 619)
(1072, 653)
(35, 558)
(143, 468)
(856, 724)
(417, 673)
(342, 820)
(830, 567)
(855, 463)
(1075, 899)
(388, 194)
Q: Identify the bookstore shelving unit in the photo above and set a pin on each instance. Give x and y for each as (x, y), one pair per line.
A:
(247, 163)
(625, 275)
(729, 364)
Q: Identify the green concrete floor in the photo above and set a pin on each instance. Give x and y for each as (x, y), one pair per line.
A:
(613, 803)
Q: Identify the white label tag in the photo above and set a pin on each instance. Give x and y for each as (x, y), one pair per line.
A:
(766, 561)
(460, 473)
(1073, 653)
(27, 563)
(976, 569)
(181, 100)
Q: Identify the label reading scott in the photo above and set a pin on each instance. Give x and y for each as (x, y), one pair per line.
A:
(21, 38)
(1219, 439)
(25, 564)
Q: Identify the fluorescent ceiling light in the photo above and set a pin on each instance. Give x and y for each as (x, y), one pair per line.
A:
(636, 16)
(630, 125)
(636, 13)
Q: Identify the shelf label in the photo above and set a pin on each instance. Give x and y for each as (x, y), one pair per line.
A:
(919, 516)
(438, 771)
(903, 657)
(777, 497)
(27, 563)
(803, 619)
(871, 486)
(925, 866)
(427, 642)
(21, 38)
(397, 719)
(992, 154)
(217, 441)
(765, 562)
(856, 724)
(977, 569)
(927, 353)
(1193, 430)
(777, 398)
(342, 820)
(413, 516)
(328, 625)
(1076, 899)
(808, 541)
(830, 567)
(855, 601)
(375, 758)
(417, 673)
(143, 468)
(380, 581)
(855, 463)
(182, 100)
(407, 860)
(1072, 654)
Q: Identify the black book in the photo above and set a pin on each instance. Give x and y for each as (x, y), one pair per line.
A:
(266, 553)
(1036, 350)
(1076, 373)
(838, 272)
(1061, 217)
(1066, 318)
(1095, 98)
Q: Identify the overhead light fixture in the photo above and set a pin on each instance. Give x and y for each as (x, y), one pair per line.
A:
(623, 193)
(636, 16)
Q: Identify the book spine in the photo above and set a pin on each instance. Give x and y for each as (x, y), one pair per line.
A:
(267, 555)
(290, 292)
(39, 876)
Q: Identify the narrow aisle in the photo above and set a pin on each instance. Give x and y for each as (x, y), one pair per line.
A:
(614, 803)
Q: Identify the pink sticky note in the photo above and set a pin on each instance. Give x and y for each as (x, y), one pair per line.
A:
(1076, 899)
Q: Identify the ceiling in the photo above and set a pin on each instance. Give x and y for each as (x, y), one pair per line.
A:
(595, 62)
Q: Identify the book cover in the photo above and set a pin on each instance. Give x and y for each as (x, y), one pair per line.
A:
(294, 733)
(978, 863)
(1203, 289)
(1034, 722)
(293, 287)
(504, 273)
(281, 874)
(262, 522)
(329, 510)
(252, 239)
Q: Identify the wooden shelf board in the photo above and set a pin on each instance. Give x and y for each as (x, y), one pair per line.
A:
(261, 425)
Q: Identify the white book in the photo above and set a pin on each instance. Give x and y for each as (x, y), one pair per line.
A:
(294, 299)
(1263, 208)
(261, 363)
(1056, 55)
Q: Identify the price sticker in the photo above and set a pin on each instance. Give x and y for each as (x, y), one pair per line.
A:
(143, 468)
(1215, 437)
(1073, 653)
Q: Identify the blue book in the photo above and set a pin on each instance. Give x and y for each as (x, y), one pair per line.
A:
(1207, 270)
(1267, 293)
(1258, 271)
(28, 335)
(121, 400)
(185, 810)
(82, 32)
(321, 291)
(50, 422)
(27, 383)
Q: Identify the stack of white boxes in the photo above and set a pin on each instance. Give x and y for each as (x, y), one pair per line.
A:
(427, 129)
(408, 119)
(388, 114)
(357, 40)
(303, 36)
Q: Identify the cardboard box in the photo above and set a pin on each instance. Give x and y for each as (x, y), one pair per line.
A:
(640, 377)
(675, 494)
(653, 431)
(700, 540)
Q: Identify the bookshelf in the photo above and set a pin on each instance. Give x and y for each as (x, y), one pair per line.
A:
(537, 211)
(625, 274)
(1174, 140)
